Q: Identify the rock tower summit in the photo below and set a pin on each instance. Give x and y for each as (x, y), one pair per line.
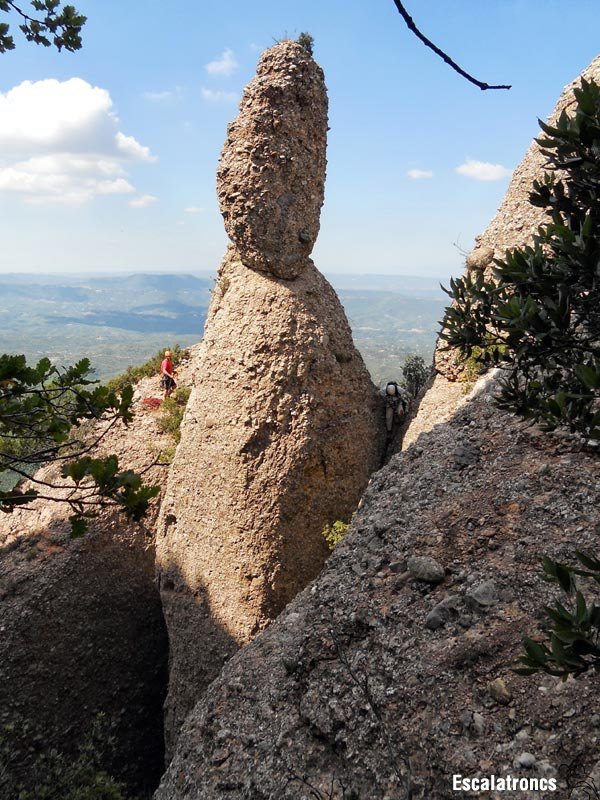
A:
(271, 176)
(283, 427)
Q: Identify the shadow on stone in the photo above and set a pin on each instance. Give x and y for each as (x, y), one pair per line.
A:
(82, 633)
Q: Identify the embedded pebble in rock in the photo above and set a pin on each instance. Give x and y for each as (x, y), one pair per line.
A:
(424, 568)
(525, 760)
(484, 594)
(478, 724)
(480, 258)
(498, 690)
(271, 177)
(466, 454)
(441, 613)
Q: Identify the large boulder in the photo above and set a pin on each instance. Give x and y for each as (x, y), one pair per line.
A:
(82, 631)
(375, 684)
(284, 426)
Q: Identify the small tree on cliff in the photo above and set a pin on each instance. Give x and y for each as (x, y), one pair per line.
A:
(414, 374)
(47, 24)
(306, 41)
(41, 406)
(539, 317)
(41, 409)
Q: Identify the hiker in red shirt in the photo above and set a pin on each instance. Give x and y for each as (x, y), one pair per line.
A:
(167, 374)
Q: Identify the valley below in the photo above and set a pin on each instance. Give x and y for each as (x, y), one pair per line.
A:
(121, 320)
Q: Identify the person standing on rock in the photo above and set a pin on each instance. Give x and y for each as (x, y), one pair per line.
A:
(396, 403)
(167, 374)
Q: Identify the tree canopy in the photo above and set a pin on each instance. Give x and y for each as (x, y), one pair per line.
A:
(538, 316)
(42, 410)
(47, 23)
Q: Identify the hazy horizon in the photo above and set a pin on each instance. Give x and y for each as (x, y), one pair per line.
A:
(202, 271)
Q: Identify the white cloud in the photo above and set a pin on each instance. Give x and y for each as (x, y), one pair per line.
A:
(193, 210)
(419, 174)
(118, 186)
(218, 95)
(224, 65)
(483, 171)
(143, 201)
(161, 97)
(60, 143)
(62, 178)
(131, 148)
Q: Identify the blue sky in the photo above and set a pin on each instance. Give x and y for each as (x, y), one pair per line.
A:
(108, 155)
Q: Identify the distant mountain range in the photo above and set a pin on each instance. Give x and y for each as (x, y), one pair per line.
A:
(121, 320)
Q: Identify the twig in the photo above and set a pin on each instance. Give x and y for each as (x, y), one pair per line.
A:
(444, 56)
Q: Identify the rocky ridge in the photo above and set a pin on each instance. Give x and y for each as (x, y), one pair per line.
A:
(394, 670)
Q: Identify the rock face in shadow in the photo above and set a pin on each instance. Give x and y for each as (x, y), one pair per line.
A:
(82, 634)
(517, 220)
(283, 427)
(81, 625)
(271, 175)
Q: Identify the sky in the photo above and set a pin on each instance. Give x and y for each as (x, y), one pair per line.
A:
(108, 155)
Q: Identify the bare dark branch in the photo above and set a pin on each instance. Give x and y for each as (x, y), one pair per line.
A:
(444, 56)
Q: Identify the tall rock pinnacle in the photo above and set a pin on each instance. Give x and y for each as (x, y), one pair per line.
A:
(283, 426)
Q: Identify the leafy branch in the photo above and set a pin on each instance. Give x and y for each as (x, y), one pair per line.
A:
(538, 314)
(54, 25)
(573, 643)
(40, 408)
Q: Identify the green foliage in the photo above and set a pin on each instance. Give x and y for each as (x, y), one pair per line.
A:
(173, 409)
(334, 533)
(124, 488)
(306, 41)
(53, 25)
(56, 775)
(40, 407)
(475, 365)
(540, 316)
(147, 369)
(573, 644)
(415, 374)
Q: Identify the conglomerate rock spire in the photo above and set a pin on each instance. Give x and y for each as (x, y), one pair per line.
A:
(271, 176)
(283, 426)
